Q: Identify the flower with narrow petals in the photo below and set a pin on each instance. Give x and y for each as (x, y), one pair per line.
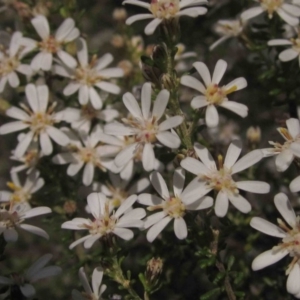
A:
(165, 10)
(85, 151)
(289, 13)
(145, 127)
(117, 190)
(51, 44)
(227, 29)
(289, 233)
(21, 193)
(10, 62)
(97, 289)
(40, 120)
(14, 217)
(210, 177)
(106, 220)
(34, 273)
(214, 94)
(173, 207)
(287, 151)
(292, 52)
(90, 75)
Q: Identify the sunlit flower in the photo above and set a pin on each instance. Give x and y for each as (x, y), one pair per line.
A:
(14, 217)
(287, 12)
(213, 93)
(97, 289)
(145, 127)
(289, 232)
(10, 62)
(90, 75)
(22, 193)
(164, 10)
(117, 190)
(173, 207)
(106, 220)
(287, 151)
(227, 29)
(40, 120)
(85, 151)
(34, 273)
(292, 52)
(210, 177)
(51, 44)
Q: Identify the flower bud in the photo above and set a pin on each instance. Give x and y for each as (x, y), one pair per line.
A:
(253, 135)
(154, 269)
(117, 41)
(119, 14)
(70, 207)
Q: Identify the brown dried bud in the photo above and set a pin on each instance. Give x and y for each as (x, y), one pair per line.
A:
(154, 269)
(70, 207)
(126, 66)
(117, 41)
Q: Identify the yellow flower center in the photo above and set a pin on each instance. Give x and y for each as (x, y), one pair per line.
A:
(8, 65)
(19, 194)
(164, 9)
(8, 219)
(296, 44)
(118, 195)
(40, 120)
(271, 6)
(88, 112)
(216, 95)
(49, 45)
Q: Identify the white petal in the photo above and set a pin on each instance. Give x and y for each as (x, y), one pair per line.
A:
(193, 83)
(160, 185)
(148, 157)
(195, 190)
(82, 52)
(74, 168)
(294, 11)
(88, 243)
(24, 69)
(43, 96)
(233, 152)
(211, 116)
(219, 71)
(88, 174)
(27, 290)
(180, 228)
(237, 84)
(137, 3)
(251, 13)
(123, 233)
(32, 97)
(257, 187)
(192, 12)
(127, 204)
(218, 42)
(150, 28)
(221, 205)
(293, 127)
(199, 102)
(168, 139)
(64, 29)
(132, 218)
(37, 211)
(238, 108)
(267, 258)
(71, 88)
(160, 104)
(125, 155)
(119, 129)
(171, 122)
(194, 166)
(132, 106)
(10, 235)
(284, 206)
(283, 160)
(109, 87)
(96, 203)
(97, 279)
(247, 161)
(45, 61)
(205, 156)
(240, 203)
(104, 61)
(138, 17)
(203, 72)
(72, 35)
(84, 281)
(157, 228)
(293, 21)
(45, 143)
(178, 181)
(41, 26)
(95, 98)
(279, 42)
(267, 227)
(146, 99)
(77, 242)
(12, 127)
(58, 136)
(202, 203)
(149, 200)
(292, 284)
(83, 94)
(288, 55)
(295, 185)
(35, 230)
(13, 79)
(24, 144)
(67, 59)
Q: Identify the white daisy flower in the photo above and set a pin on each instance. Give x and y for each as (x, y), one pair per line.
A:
(145, 127)
(51, 44)
(287, 151)
(289, 13)
(34, 273)
(290, 53)
(22, 193)
(106, 220)
(85, 151)
(29, 159)
(90, 75)
(14, 217)
(165, 10)
(214, 94)
(90, 293)
(172, 206)
(118, 190)
(10, 62)
(87, 114)
(289, 233)
(210, 177)
(227, 29)
(39, 120)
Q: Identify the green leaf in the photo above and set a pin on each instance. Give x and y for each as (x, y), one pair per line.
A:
(230, 262)
(210, 294)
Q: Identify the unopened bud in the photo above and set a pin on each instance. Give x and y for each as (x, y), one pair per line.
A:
(154, 269)
(119, 14)
(126, 66)
(253, 135)
(117, 41)
(70, 207)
